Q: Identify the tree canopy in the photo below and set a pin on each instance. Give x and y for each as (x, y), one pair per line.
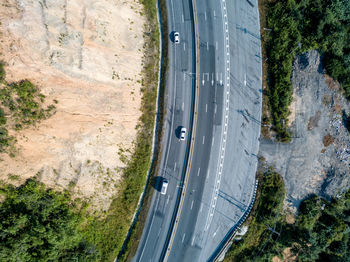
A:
(40, 225)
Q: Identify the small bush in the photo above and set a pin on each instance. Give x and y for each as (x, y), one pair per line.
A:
(23, 104)
(2, 72)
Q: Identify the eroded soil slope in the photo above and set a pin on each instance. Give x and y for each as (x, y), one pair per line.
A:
(87, 55)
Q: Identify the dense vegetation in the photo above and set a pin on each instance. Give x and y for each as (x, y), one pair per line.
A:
(21, 105)
(298, 26)
(321, 231)
(41, 225)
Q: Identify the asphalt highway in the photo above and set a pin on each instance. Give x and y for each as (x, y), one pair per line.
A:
(222, 168)
(222, 176)
(179, 97)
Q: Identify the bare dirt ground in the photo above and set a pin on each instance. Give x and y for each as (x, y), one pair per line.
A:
(287, 256)
(317, 160)
(87, 55)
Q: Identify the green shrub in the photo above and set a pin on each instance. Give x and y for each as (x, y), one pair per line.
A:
(23, 103)
(2, 72)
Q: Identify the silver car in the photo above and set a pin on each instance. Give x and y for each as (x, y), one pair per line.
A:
(164, 187)
(183, 133)
(177, 38)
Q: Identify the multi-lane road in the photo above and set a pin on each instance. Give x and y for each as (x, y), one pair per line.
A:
(179, 96)
(214, 83)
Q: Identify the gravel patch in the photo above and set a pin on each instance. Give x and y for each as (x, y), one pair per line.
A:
(318, 157)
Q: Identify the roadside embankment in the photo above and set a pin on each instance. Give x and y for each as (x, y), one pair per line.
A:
(100, 62)
(87, 57)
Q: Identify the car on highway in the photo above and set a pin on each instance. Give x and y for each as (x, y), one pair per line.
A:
(177, 38)
(183, 133)
(164, 187)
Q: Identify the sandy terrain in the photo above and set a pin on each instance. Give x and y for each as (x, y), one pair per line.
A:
(86, 54)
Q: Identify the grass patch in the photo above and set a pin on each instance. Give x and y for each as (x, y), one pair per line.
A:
(295, 27)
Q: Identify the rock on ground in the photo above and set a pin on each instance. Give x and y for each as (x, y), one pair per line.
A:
(87, 55)
(317, 160)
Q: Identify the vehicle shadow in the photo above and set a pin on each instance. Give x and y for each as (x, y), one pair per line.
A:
(171, 36)
(178, 132)
(156, 182)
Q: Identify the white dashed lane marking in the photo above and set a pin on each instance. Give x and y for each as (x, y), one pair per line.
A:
(224, 131)
(193, 240)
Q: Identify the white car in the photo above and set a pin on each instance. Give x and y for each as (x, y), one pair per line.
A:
(164, 187)
(177, 38)
(183, 133)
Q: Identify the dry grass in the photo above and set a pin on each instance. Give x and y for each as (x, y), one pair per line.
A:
(287, 256)
(328, 140)
(290, 218)
(327, 99)
(338, 108)
(332, 85)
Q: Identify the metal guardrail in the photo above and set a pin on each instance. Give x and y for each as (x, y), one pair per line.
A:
(225, 244)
